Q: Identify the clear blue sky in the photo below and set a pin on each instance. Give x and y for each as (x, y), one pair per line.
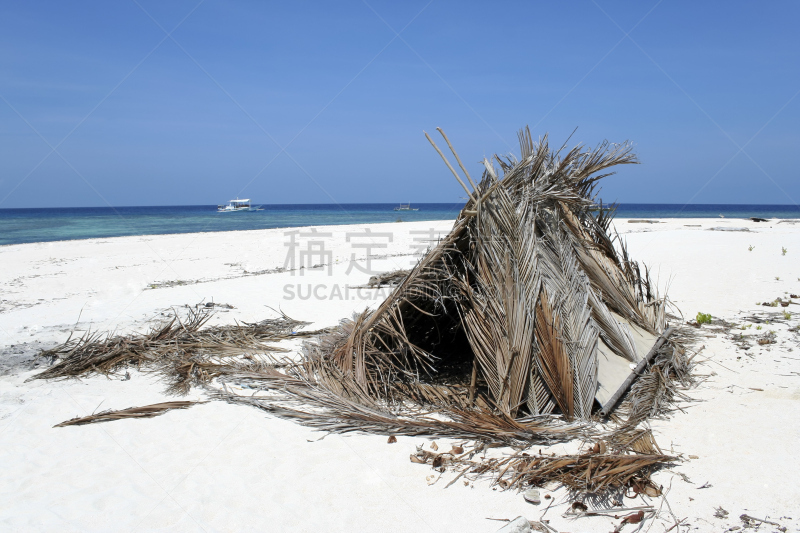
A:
(708, 92)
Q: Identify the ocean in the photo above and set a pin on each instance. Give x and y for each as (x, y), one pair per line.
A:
(19, 226)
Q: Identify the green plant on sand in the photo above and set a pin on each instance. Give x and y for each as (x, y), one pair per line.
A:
(703, 318)
(750, 248)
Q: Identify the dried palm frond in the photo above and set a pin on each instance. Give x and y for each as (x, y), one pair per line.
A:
(185, 349)
(147, 411)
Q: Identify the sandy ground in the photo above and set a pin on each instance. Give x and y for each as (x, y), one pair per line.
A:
(219, 467)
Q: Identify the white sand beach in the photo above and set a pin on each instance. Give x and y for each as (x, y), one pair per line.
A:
(222, 467)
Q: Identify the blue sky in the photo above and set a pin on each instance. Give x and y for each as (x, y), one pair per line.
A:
(305, 102)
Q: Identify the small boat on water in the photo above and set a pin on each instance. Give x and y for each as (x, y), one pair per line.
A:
(238, 205)
(406, 207)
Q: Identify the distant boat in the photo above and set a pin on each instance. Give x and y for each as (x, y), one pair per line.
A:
(406, 207)
(238, 205)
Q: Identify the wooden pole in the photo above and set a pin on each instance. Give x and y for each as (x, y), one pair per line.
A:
(612, 402)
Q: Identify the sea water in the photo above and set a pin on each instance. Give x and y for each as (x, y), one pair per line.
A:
(56, 224)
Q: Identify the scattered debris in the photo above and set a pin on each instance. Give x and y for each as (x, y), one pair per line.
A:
(633, 518)
(213, 305)
(646, 487)
(750, 521)
(387, 279)
(582, 473)
(719, 512)
(579, 506)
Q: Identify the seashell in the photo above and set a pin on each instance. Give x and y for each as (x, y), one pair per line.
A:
(532, 496)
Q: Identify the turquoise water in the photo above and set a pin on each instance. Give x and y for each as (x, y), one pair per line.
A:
(57, 224)
(41, 225)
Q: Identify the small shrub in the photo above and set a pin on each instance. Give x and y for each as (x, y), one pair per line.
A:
(783, 250)
(750, 248)
(777, 278)
(703, 318)
(787, 315)
(758, 327)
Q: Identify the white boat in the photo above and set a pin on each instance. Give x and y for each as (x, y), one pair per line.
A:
(406, 207)
(238, 205)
